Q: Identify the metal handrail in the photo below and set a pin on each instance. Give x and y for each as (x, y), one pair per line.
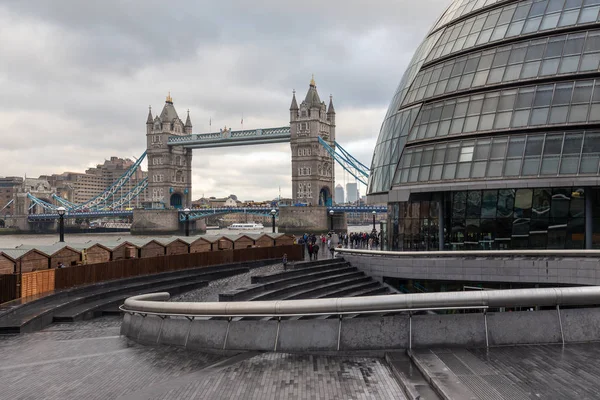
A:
(156, 303)
(473, 253)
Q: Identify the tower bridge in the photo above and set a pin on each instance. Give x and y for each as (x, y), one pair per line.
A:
(168, 188)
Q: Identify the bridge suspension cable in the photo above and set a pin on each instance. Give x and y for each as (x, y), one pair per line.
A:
(131, 195)
(39, 202)
(350, 164)
(7, 204)
(111, 190)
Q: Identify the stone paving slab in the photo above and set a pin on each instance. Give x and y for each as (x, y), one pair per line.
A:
(89, 360)
(519, 372)
(287, 376)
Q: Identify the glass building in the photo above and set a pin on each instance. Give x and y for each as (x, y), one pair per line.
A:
(492, 138)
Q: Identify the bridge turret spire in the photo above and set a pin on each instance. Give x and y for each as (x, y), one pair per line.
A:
(149, 119)
(169, 98)
(294, 105)
(188, 123)
(312, 97)
(330, 109)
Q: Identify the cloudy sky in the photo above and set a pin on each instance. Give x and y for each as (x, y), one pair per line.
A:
(77, 78)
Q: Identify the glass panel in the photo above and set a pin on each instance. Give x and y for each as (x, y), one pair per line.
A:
(523, 202)
(498, 148)
(506, 199)
(488, 204)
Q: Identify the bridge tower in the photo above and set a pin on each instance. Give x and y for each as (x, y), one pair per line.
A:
(313, 172)
(169, 167)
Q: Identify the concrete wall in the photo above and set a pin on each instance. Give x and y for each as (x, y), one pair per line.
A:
(309, 219)
(153, 222)
(370, 333)
(550, 270)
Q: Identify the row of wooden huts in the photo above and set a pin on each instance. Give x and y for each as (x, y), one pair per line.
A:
(26, 258)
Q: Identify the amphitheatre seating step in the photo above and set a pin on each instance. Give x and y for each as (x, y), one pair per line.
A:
(371, 292)
(284, 292)
(173, 286)
(307, 264)
(37, 301)
(251, 291)
(296, 272)
(36, 315)
(347, 291)
(314, 291)
(87, 310)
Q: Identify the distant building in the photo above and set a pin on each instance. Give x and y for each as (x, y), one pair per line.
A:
(351, 192)
(9, 186)
(339, 194)
(80, 187)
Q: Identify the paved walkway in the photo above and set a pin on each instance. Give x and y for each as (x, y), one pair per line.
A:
(89, 360)
(515, 373)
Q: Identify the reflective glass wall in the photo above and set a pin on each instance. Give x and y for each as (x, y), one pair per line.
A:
(504, 219)
(497, 90)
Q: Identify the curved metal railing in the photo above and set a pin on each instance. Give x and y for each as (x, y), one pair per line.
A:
(156, 304)
(474, 253)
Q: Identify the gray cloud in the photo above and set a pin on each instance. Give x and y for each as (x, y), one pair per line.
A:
(77, 78)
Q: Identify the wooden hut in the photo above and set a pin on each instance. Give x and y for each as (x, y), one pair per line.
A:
(59, 253)
(96, 254)
(66, 255)
(200, 245)
(221, 243)
(7, 263)
(262, 240)
(283, 239)
(152, 248)
(176, 246)
(242, 242)
(123, 250)
(28, 260)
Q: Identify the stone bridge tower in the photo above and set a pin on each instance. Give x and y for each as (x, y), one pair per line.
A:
(313, 169)
(169, 167)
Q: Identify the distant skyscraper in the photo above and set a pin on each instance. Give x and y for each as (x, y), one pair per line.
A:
(339, 194)
(351, 192)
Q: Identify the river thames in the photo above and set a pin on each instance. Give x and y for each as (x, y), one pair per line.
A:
(11, 241)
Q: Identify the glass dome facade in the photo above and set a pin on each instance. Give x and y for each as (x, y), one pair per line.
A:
(500, 103)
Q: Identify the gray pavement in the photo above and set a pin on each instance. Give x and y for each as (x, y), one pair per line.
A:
(516, 372)
(89, 360)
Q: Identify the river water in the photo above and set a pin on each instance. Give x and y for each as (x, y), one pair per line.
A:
(11, 241)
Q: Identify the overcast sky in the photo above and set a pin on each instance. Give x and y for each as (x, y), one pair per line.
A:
(77, 78)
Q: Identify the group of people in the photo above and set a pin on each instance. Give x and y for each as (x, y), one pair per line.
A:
(361, 240)
(314, 244)
(323, 243)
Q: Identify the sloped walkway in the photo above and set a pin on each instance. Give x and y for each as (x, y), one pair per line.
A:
(89, 360)
(515, 372)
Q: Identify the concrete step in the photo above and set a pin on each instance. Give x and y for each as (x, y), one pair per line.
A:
(314, 292)
(441, 378)
(36, 302)
(296, 272)
(307, 264)
(349, 290)
(409, 377)
(257, 289)
(33, 317)
(92, 309)
(379, 291)
(284, 292)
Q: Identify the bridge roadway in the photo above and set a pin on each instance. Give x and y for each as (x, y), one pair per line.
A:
(203, 212)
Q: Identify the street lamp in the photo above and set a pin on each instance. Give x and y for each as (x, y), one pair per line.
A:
(331, 212)
(186, 212)
(61, 224)
(273, 212)
(374, 212)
